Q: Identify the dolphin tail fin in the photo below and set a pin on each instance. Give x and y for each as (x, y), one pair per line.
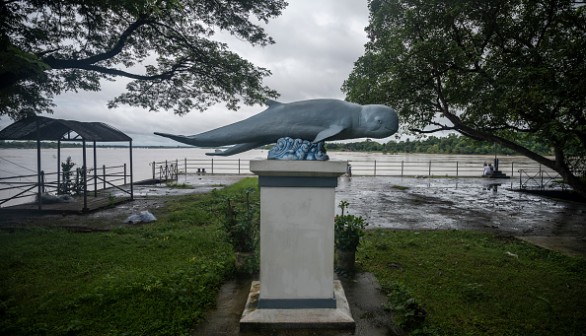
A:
(273, 103)
(236, 149)
(180, 138)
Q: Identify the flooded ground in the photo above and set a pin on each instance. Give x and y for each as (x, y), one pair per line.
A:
(461, 204)
(407, 204)
(434, 203)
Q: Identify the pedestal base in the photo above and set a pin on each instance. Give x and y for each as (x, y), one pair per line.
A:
(254, 318)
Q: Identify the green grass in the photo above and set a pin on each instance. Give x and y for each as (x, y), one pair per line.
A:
(474, 283)
(155, 279)
(161, 278)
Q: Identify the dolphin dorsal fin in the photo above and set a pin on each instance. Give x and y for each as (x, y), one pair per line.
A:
(273, 103)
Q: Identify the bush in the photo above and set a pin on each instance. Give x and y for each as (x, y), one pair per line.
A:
(349, 229)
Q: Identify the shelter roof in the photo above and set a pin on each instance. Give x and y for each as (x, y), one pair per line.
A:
(60, 129)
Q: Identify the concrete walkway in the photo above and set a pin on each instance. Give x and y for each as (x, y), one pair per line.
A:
(362, 291)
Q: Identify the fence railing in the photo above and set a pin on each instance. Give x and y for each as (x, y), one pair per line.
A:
(539, 180)
(169, 168)
(15, 188)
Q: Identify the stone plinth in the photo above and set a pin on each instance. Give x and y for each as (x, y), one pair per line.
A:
(297, 243)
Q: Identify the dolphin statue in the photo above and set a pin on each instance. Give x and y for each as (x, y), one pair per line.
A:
(314, 120)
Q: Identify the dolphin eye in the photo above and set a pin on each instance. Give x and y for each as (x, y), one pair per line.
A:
(379, 121)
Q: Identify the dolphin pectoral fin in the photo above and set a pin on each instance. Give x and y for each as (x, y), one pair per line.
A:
(328, 133)
(236, 149)
(180, 138)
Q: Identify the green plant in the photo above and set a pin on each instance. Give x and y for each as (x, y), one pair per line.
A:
(349, 229)
(240, 219)
(407, 313)
(65, 187)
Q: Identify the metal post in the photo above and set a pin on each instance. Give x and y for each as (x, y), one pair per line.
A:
(457, 168)
(374, 167)
(124, 173)
(212, 166)
(429, 168)
(512, 169)
(153, 170)
(58, 164)
(131, 171)
(95, 172)
(84, 176)
(520, 179)
(402, 167)
(104, 175)
(39, 187)
(238, 166)
(166, 170)
(185, 165)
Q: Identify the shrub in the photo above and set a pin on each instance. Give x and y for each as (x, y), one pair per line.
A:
(349, 229)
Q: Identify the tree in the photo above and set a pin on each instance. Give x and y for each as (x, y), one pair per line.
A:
(498, 71)
(51, 46)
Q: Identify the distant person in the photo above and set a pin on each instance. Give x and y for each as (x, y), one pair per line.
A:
(349, 170)
(198, 171)
(490, 169)
(203, 171)
(486, 171)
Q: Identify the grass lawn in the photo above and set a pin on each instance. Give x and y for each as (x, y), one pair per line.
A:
(152, 279)
(472, 283)
(161, 278)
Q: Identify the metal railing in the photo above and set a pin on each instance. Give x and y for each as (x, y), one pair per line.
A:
(540, 180)
(433, 168)
(14, 188)
(168, 170)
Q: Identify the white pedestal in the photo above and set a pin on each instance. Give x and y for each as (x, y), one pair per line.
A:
(297, 243)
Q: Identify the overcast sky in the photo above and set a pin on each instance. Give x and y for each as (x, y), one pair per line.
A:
(317, 43)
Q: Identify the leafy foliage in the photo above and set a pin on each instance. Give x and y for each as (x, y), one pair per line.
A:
(238, 211)
(348, 229)
(164, 47)
(407, 313)
(452, 144)
(500, 71)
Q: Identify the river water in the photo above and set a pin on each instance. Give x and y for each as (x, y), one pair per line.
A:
(16, 162)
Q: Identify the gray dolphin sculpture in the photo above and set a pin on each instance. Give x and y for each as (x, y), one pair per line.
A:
(314, 120)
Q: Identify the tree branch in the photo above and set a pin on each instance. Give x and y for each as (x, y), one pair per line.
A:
(108, 71)
(116, 49)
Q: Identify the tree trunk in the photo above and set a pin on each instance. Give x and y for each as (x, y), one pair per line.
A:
(559, 164)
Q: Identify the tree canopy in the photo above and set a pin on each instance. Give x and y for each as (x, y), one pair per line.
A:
(164, 46)
(499, 71)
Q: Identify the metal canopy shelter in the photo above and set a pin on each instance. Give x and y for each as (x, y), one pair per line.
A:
(48, 129)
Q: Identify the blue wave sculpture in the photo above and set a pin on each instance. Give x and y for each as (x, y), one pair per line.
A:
(298, 149)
